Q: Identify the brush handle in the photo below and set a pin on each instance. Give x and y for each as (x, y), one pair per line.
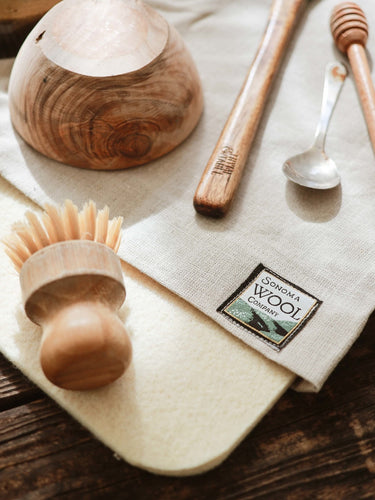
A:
(73, 289)
(84, 346)
(350, 31)
(222, 174)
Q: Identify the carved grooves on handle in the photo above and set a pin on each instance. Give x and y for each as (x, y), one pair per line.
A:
(348, 25)
(350, 30)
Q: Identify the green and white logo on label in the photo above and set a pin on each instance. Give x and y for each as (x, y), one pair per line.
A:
(270, 306)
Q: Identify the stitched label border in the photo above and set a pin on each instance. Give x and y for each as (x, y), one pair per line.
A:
(270, 307)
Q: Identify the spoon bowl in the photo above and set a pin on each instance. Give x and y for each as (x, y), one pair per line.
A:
(313, 168)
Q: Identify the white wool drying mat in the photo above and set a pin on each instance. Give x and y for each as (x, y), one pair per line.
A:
(183, 404)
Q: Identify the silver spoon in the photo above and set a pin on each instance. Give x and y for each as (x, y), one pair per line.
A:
(313, 168)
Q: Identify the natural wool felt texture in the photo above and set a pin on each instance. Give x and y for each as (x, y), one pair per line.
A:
(192, 391)
(320, 241)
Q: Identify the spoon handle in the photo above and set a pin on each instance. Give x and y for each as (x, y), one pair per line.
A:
(334, 78)
(222, 174)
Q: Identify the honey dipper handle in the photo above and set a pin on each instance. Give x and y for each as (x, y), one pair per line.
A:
(222, 174)
(365, 87)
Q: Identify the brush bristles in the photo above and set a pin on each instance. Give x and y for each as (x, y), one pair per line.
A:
(63, 224)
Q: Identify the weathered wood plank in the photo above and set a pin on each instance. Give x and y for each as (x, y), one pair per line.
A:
(15, 389)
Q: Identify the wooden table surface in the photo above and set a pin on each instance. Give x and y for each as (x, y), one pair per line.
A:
(309, 446)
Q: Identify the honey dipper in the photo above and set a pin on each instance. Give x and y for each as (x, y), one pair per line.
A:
(350, 31)
(72, 284)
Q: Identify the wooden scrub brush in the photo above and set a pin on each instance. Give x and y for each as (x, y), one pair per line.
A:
(72, 284)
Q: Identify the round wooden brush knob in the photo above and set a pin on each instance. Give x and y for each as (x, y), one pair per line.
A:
(84, 346)
(73, 289)
(348, 26)
(104, 85)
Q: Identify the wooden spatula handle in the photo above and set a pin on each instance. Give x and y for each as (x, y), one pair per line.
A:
(350, 31)
(223, 171)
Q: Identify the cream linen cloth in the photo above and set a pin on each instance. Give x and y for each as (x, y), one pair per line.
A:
(322, 242)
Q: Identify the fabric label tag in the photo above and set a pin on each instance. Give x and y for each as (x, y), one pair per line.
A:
(270, 307)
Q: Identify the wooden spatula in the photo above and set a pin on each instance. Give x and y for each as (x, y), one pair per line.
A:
(223, 172)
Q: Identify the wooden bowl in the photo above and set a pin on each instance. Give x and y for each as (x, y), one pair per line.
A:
(104, 85)
(24, 11)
